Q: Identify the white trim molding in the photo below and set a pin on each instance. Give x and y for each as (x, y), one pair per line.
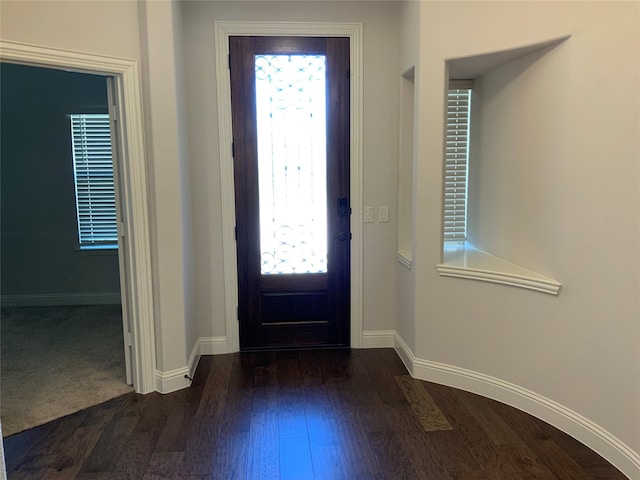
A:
(378, 339)
(173, 380)
(404, 257)
(584, 430)
(56, 299)
(466, 261)
(214, 346)
(134, 195)
(223, 30)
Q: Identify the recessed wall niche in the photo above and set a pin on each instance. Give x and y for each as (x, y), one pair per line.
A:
(405, 168)
(516, 116)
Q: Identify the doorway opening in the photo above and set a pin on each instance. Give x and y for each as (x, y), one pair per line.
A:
(290, 100)
(133, 248)
(63, 325)
(353, 32)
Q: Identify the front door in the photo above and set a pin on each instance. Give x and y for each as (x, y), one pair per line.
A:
(290, 119)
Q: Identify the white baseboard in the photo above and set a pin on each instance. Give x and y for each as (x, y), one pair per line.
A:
(213, 345)
(595, 437)
(57, 299)
(378, 339)
(173, 380)
(167, 382)
(194, 359)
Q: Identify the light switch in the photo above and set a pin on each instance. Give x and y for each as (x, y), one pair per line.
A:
(368, 214)
(383, 214)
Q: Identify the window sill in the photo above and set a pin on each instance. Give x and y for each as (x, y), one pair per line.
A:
(465, 261)
(405, 258)
(101, 250)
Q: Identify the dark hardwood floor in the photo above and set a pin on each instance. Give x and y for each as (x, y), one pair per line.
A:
(325, 414)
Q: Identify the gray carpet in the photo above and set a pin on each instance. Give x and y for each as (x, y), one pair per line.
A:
(58, 360)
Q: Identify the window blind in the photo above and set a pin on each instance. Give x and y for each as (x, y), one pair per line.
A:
(93, 172)
(456, 164)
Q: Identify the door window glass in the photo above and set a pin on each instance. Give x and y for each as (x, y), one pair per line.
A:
(292, 164)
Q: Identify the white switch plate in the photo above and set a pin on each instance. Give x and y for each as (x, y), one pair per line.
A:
(368, 214)
(383, 214)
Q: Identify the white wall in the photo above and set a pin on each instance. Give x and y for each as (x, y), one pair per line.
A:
(409, 58)
(581, 349)
(559, 195)
(381, 86)
(40, 258)
(100, 27)
(117, 29)
(168, 158)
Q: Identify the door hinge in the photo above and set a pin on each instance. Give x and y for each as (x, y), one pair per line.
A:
(129, 339)
(235, 232)
(122, 234)
(233, 149)
(229, 59)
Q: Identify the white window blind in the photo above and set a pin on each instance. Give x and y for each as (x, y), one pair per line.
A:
(93, 171)
(456, 163)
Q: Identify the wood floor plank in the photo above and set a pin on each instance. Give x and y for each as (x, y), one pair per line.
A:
(392, 361)
(456, 458)
(538, 440)
(419, 445)
(427, 411)
(175, 433)
(79, 445)
(230, 459)
(359, 460)
(18, 446)
(328, 463)
(392, 457)
(583, 455)
(324, 439)
(163, 465)
(153, 417)
(295, 459)
(264, 460)
(135, 458)
(49, 449)
(605, 473)
(322, 415)
(110, 445)
(382, 381)
(493, 424)
(211, 401)
(92, 476)
(265, 371)
(237, 414)
(199, 454)
(292, 422)
(32, 467)
(199, 451)
(526, 462)
(471, 435)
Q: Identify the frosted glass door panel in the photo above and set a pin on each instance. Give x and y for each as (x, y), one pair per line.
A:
(292, 163)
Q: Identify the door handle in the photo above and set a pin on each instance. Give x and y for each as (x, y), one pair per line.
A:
(342, 236)
(343, 207)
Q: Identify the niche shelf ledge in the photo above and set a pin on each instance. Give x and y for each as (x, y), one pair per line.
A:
(466, 261)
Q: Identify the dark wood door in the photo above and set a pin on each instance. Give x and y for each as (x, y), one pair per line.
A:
(290, 114)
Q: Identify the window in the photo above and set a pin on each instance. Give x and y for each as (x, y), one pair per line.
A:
(456, 163)
(93, 176)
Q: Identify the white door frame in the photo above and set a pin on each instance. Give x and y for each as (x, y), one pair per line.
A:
(223, 30)
(133, 188)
